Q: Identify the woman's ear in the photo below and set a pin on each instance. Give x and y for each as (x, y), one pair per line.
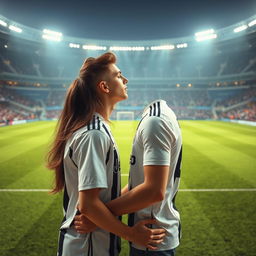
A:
(103, 86)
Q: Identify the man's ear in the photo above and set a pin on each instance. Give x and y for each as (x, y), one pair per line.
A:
(103, 86)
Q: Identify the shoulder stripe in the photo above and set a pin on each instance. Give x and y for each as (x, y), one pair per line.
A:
(98, 123)
(158, 108)
(150, 113)
(155, 109)
(93, 122)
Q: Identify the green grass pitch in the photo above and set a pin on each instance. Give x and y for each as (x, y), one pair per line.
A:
(216, 155)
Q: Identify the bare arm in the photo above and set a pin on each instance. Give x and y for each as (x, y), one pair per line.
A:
(124, 189)
(152, 190)
(96, 211)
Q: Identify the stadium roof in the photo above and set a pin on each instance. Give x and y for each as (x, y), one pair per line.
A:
(127, 20)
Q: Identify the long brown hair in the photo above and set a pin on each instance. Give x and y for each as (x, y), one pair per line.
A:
(81, 102)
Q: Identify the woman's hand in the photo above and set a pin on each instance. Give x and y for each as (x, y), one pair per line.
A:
(148, 237)
(83, 225)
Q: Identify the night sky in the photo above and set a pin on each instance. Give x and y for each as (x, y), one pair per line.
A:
(127, 20)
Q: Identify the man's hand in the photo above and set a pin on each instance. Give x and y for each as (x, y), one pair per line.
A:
(144, 236)
(83, 225)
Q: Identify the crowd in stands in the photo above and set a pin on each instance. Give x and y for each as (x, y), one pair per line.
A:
(12, 95)
(187, 104)
(238, 98)
(8, 114)
(247, 113)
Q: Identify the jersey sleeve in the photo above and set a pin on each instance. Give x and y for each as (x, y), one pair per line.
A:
(156, 138)
(91, 156)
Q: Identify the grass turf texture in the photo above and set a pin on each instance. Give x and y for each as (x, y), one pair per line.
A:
(216, 155)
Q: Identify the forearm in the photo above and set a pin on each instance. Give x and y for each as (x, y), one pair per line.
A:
(125, 189)
(98, 213)
(136, 199)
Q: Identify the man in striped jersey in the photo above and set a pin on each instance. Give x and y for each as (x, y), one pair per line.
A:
(154, 177)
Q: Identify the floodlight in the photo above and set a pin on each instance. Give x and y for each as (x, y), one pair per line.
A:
(203, 33)
(184, 45)
(94, 47)
(252, 23)
(51, 38)
(14, 28)
(126, 48)
(3, 23)
(72, 45)
(51, 32)
(240, 28)
(162, 47)
(206, 37)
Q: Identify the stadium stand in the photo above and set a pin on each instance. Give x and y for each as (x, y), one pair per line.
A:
(205, 81)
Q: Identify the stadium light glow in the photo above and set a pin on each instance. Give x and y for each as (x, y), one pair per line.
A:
(51, 38)
(205, 32)
(206, 37)
(51, 32)
(94, 47)
(14, 28)
(3, 23)
(162, 47)
(240, 28)
(185, 45)
(252, 23)
(52, 35)
(72, 45)
(126, 48)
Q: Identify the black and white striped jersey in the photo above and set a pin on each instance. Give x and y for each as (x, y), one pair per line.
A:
(158, 141)
(91, 160)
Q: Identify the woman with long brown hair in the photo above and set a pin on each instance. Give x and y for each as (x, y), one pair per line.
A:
(85, 159)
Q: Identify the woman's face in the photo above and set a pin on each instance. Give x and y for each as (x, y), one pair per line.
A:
(117, 84)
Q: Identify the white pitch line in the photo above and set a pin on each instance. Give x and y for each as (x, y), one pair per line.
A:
(217, 190)
(180, 190)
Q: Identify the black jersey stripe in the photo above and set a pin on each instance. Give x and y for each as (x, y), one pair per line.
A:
(177, 168)
(98, 123)
(158, 108)
(63, 231)
(107, 158)
(154, 109)
(65, 199)
(93, 122)
(113, 243)
(150, 112)
(106, 130)
(180, 231)
(70, 156)
(88, 126)
(90, 246)
(61, 241)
